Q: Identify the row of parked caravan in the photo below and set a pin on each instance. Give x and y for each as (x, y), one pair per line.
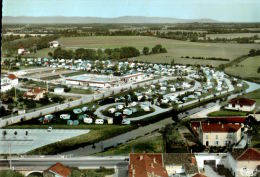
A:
(84, 117)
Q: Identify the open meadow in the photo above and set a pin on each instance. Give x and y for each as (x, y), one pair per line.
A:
(176, 49)
(247, 69)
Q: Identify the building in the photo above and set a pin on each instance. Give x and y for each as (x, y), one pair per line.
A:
(59, 90)
(101, 81)
(8, 82)
(180, 164)
(218, 134)
(21, 51)
(54, 44)
(57, 170)
(133, 77)
(35, 94)
(146, 165)
(241, 104)
(244, 163)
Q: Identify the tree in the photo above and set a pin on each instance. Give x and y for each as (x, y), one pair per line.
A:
(3, 111)
(4, 133)
(252, 52)
(15, 133)
(50, 54)
(156, 49)
(146, 51)
(172, 62)
(26, 133)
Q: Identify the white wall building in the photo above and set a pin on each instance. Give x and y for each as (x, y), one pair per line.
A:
(241, 104)
(219, 134)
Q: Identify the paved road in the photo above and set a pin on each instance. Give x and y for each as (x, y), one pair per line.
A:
(42, 163)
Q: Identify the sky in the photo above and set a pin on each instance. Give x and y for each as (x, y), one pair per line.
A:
(222, 10)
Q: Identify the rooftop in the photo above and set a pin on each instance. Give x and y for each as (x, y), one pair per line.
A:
(242, 101)
(250, 154)
(60, 169)
(140, 165)
(219, 127)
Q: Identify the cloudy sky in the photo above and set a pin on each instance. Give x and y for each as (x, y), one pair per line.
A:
(223, 10)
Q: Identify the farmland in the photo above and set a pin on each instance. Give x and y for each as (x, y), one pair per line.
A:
(247, 69)
(232, 35)
(175, 48)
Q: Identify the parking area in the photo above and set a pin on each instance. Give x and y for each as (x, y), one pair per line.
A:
(17, 141)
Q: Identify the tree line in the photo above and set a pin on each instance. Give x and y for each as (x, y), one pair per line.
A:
(31, 43)
(116, 53)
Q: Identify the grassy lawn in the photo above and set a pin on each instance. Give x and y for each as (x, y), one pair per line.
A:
(102, 172)
(96, 134)
(247, 69)
(175, 48)
(153, 144)
(80, 91)
(226, 113)
(42, 53)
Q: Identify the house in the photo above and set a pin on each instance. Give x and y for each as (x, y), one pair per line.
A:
(146, 165)
(8, 82)
(180, 164)
(35, 94)
(241, 104)
(54, 44)
(59, 90)
(244, 163)
(20, 51)
(218, 134)
(57, 170)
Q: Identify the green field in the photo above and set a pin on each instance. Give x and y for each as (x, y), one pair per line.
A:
(223, 113)
(247, 69)
(175, 48)
(152, 144)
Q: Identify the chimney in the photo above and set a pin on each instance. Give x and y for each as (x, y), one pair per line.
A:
(141, 157)
(219, 122)
(208, 122)
(222, 126)
(152, 165)
(132, 167)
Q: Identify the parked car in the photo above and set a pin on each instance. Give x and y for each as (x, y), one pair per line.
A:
(99, 121)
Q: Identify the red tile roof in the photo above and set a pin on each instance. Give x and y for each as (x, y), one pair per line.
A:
(250, 154)
(37, 90)
(60, 169)
(140, 165)
(228, 119)
(12, 76)
(199, 175)
(242, 101)
(219, 127)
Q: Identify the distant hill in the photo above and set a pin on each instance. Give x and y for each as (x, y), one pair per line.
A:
(124, 19)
